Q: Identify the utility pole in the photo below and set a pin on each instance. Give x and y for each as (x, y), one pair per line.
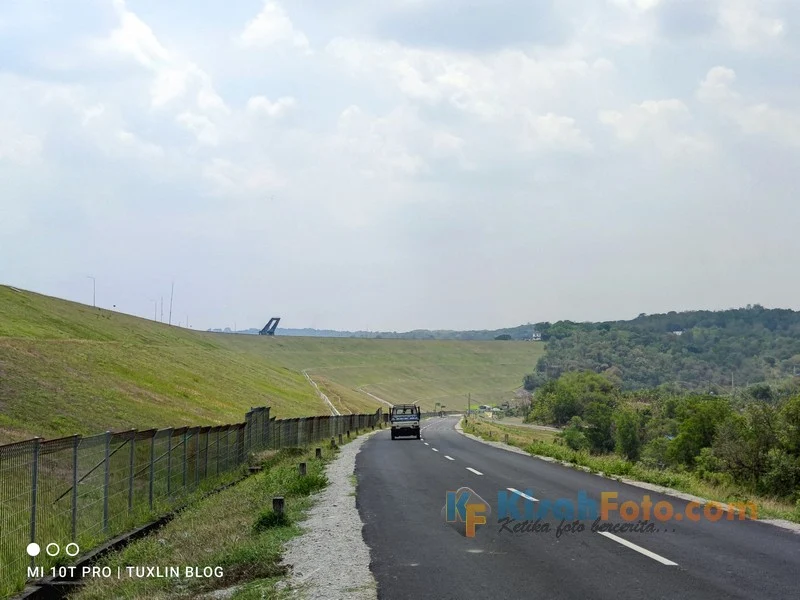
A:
(171, 294)
(162, 309)
(94, 290)
(155, 310)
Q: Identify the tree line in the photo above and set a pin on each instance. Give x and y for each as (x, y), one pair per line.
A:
(751, 439)
(708, 351)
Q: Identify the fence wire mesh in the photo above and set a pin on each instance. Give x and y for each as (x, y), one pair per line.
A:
(85, 490)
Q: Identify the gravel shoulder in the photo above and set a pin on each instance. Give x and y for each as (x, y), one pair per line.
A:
(330, 561)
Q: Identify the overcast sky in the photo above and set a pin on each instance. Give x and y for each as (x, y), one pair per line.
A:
(401, 164)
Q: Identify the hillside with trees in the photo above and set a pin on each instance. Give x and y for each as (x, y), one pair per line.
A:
(748, 442)
(709, 351)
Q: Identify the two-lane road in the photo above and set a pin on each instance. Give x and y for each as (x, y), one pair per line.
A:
(401, 492)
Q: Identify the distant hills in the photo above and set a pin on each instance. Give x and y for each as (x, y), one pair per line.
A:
(711, 350)
(522, 332)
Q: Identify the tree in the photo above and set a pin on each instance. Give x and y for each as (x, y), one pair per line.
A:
(628, 441)
(599, 417)
(573, 435)
(699, 418)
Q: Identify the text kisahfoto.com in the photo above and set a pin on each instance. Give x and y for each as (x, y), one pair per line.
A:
(511, 525)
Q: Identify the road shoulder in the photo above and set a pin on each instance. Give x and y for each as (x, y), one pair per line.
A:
(782, 523)
(331, 560)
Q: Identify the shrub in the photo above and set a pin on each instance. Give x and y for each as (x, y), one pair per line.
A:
(304, 486)
(269, 519)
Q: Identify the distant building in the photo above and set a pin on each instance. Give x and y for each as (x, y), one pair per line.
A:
(536, 336)
(677, 333)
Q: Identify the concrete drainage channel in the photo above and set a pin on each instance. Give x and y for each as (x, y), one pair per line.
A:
(52, 588)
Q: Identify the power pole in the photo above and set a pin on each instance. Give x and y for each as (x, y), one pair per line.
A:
(155, 310)
(162, 309)
(171, 294)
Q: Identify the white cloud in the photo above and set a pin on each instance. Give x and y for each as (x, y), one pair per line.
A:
(502, 86)
(555, 132)
(272, 26)
(752, 119)
(746, 25)
(18, 146)
(203, 128)
(262, 105)
(665, 123)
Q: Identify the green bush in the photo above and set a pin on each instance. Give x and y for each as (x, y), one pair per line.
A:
(305, 486)
(269, 519)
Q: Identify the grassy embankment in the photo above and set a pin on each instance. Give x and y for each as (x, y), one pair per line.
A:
(545, 443)
(235, 530)
(69, 368)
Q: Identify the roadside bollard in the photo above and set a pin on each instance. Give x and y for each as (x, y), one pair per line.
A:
(506, 438)
(333, 443)
(318, 451)
(302, 468)
(340, 439)
(348, 434)
(277, 505)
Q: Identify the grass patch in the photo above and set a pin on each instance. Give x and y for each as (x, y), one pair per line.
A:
(542, 443)
(69, 368)
(269, 519)
(235, 529)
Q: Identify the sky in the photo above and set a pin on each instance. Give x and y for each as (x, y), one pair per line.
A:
(403, 164)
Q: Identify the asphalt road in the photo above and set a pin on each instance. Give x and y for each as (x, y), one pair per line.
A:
(402, 486)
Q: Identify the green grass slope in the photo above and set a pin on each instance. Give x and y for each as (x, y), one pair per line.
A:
(68, 368)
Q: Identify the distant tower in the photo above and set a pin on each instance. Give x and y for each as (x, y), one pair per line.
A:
(269, 328)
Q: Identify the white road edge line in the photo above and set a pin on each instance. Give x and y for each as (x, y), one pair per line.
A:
(632, 546)
(434, 449)
(449, 457)
(474, 471)
(516, 491)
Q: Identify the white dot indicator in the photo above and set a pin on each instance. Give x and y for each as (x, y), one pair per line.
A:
(33, 549)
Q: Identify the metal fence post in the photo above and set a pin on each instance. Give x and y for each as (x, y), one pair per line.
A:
(265, 433)
(185, 443)
(218, 451)
(169, 464)
(197, 458)
(205, 456)
(131, 469)
(76, 443)
(34, 480)
(106, 480)
(152, 469)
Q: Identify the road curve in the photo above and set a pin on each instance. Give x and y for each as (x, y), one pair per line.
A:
(414, 554)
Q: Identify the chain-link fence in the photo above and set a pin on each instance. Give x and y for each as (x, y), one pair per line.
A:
(85, 490)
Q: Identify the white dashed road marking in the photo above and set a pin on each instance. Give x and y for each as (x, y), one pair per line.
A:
(427, 444)
(632, 546)
(516, 491)
(474, 471)
(434, 449)
(449, 457)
